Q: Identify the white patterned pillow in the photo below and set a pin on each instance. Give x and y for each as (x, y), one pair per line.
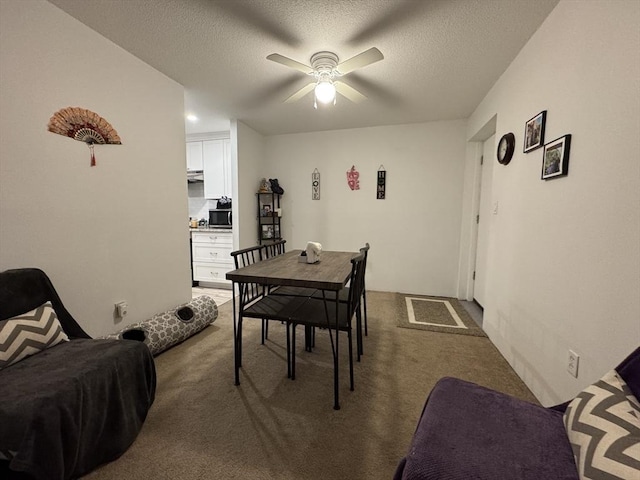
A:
(603, 426)
(29, 333)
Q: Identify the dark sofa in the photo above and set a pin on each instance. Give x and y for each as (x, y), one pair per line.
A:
(75, 405)
(467, 431)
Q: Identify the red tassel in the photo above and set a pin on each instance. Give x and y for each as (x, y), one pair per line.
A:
(93, 157)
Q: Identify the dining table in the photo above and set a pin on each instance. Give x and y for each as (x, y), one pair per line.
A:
(329, 275)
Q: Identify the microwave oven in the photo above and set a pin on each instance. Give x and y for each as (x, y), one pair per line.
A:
(220, 218)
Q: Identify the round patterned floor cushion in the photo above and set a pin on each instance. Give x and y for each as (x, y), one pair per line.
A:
(164, 330)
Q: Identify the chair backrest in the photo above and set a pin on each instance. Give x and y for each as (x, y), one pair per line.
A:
(356, 282)
(244, 258)
(23, 289)
(273, 249)
(247, 256)
(365, 251)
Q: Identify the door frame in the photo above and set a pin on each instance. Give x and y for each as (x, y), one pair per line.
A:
(471, 206)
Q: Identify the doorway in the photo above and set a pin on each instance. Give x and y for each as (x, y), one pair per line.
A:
(483, 217)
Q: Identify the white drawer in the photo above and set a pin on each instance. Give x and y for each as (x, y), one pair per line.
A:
(213, 238)
(203, 252)
(208, 272)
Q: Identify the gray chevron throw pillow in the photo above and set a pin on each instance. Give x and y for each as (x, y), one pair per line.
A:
(603, 426)
(29, 333)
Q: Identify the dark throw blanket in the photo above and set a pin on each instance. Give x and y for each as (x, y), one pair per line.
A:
(74, 406)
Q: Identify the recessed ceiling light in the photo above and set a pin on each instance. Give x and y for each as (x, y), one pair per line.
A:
(192, 118)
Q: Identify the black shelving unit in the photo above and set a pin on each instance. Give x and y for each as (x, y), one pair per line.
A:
(269, 229)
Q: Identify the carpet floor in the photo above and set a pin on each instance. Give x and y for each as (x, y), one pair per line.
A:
(201, 426)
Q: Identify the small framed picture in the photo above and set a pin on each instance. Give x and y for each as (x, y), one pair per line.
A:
(266, 210)
(555, 162)
(534, 132)
(267, 232)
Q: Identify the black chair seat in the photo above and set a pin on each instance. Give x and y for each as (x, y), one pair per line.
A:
(274, 307)
(308, 314)
(343, 295)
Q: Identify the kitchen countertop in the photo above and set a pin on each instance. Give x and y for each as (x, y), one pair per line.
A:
(210, 229)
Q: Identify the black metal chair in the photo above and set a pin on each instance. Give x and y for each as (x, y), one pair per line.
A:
(256, 301)
(250, 291)
(321, 314)
(344, 298)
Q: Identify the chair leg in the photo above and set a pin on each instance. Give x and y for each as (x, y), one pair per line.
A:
(293, 352)
(235, 340)
(263, 332)
(309, 340)
(364, 301)
(359, 333)
(240, 343)
(266, 329)
(288, 352)
(350, 359)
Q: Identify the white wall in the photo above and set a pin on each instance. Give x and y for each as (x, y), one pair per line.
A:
(114, 232)
(565, 254)
(414, 233)
(249, 167)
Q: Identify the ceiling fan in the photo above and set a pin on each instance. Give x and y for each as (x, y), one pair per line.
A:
(325, 69)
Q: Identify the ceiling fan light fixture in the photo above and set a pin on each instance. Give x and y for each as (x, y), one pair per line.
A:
(325, 91)
(325, 69)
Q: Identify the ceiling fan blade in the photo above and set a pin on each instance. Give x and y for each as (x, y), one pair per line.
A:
(287, 62)
(392, 19)
(349, 92)
(301, 93)
(361, 60)
(255, 17)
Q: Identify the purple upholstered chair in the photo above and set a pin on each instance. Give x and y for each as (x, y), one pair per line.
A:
(467, 431)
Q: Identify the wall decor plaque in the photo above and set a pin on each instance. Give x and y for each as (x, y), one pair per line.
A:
(353, 178)
(382, 183)
(315, 185)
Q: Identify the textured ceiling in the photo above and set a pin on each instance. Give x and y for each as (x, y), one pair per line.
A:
(441, 56)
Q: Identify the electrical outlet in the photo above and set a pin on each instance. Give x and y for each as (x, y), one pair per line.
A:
(572, 363)
(122, 309)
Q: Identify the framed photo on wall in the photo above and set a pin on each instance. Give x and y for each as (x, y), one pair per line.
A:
(534, 132)
(267, 232)
(555, 161)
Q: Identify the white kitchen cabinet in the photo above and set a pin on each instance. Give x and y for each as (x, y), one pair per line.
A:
(194, 156)
(216, 156)
(228, 174)
(211, 254)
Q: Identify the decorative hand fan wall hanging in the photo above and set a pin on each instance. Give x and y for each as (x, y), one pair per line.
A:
(85, 126)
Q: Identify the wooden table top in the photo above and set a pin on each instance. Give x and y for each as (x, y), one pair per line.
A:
(330, 273)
